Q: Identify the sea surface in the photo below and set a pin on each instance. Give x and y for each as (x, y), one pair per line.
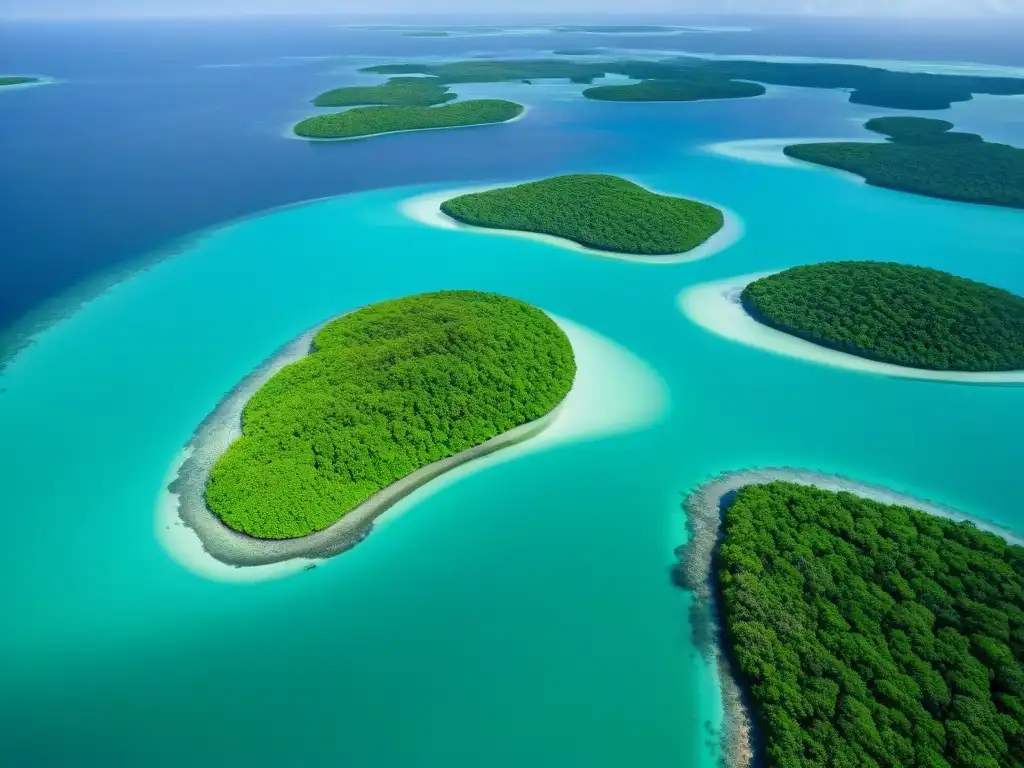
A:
(154, 250)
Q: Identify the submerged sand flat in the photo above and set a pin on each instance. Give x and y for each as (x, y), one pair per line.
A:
(426, 209)
(613, 392)
(716, 307)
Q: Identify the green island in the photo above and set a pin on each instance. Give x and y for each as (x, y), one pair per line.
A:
(868, 85)
(868, 635)
(578, 51)
(895, 313)
(396, 92)
(386, 391)
(693, 89)
(17, 80)
(925, 157)
(371, 121)
(595, 210)
(427, 33)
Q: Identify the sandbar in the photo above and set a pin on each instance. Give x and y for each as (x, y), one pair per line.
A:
(703, 507)
(716, 307)
(426, 209)
(613, 392)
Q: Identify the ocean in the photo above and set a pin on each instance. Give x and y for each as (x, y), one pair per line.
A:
(525, 613)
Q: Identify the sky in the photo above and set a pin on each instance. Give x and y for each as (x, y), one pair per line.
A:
(149, 8)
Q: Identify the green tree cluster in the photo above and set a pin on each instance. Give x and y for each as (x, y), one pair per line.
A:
(868, 85)
(398, 92)
(924, 157)
(387, 390)
(896, 313)
(370, 121)
(595, 210)
(17, 80)
(872, 636)
(698, 88)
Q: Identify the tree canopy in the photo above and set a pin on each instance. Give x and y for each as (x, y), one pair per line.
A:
(896, 313)
(697, 88)
(370, 121)
(595, 210)
(387, 390)
(925, 157)
(17, 80)
(873, 636)
(397, 91)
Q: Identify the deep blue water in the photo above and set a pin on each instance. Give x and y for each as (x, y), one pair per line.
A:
(521, 615)
(159, 129)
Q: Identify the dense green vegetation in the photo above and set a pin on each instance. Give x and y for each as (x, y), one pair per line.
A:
(12, 80)
(925, 157)
(370, 121)
(595, 210)
(869, 85)
(873, 636)
(398, 91)
(694, 89)
(389, 388)
(896, 313)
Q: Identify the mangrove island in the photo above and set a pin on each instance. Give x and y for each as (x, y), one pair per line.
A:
(925, 157)
(689, 89)
(598, 211)
(894, 313)
(861, 630)
(18, 80)
(361, 122)
(384, 399)
(867, 85)
(396, 92)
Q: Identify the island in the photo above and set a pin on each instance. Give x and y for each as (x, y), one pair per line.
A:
(691, 89)
(598, 211)
(19, 80)
(361, 122)
(579, 51)
(855, 626)
(925, 157)
(397, 91)
(427, 33)
(382, 400)
(867, 85)
(894, 313)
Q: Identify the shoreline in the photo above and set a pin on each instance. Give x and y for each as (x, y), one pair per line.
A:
(290, 133)
(224, 426)
(40, 80)
(770, 152)
(694, 571)
(716, 307)
(599, 403)
(426, 209)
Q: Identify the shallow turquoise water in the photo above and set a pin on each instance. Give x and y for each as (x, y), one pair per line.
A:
(522, 615)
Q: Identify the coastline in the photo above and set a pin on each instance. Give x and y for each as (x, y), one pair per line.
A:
(613, 392)
(290, 133)
(770, 152)
(694, 571)
(716, 307)
(41, 80)
(426, 209)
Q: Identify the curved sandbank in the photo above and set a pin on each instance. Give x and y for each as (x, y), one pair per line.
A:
(770, 152)
(613, 392)
(716, 307)
(289, 132)
(426, 209)
(703, 507)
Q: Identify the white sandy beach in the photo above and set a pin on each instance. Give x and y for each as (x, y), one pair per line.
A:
(613, 392)
(426, 209)
(770, 152)
(716, 307)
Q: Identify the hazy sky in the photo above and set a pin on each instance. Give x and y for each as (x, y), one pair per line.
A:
(925, 8)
